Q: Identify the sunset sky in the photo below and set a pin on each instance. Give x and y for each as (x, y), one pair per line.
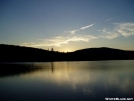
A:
(67, 25)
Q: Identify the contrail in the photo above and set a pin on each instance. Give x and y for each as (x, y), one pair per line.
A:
(85, 27)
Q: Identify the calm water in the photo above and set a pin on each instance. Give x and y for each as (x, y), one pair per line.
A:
(67, 81)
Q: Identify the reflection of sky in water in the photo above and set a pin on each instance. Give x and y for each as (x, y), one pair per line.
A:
(74, 80)
(75, 76)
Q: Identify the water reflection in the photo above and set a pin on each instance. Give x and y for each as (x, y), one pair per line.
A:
(52, 67)
(87, 80)
(11, 69)
(89, 77)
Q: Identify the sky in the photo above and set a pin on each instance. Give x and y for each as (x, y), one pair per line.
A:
(67, 25)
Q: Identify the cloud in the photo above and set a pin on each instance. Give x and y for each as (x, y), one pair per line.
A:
(109, 34)
(112, 18)
(85, 27)
(60, 40)
(72, 32)
(125, 29)
(120, 29)
(82, 28)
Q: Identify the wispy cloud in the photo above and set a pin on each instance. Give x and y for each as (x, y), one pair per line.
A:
(112, 18)
(109, 34)
(82, 28)
(85, 27)
(120, 29)
(63, 39)
(72, 32)
(60, 40)
(124, 29)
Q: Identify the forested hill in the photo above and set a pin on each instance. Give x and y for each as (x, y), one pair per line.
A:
(12, 53)
(20, 53)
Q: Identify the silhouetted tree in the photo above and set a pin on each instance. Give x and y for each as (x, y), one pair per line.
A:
(52, 49)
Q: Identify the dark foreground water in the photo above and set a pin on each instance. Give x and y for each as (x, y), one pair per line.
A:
(67, 81)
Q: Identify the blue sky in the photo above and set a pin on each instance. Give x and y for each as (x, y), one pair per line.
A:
(67, 25)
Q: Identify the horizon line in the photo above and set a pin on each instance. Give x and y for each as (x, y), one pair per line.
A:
(64, 51)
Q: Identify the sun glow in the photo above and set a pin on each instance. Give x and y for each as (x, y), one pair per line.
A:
(64, 49)
(67, 50)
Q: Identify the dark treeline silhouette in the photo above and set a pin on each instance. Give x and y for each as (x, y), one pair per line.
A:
(12, 53)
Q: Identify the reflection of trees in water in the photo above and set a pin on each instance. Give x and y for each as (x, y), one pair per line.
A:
(17, 69)
(52, 67)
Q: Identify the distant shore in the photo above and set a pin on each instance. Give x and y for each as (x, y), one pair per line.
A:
(12, 53)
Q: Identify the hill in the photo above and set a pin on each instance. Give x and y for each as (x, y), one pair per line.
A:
(104, 53)
(19, 53)
(12, 53)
